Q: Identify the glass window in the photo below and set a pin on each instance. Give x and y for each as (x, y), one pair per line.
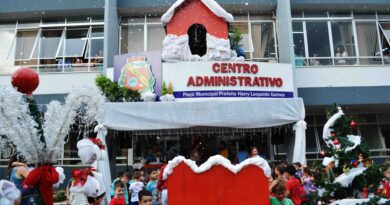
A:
(7, 38)
(385, 40)
(371, 135)
(132, 39)
(48, 44)
(297, 26)
(315, 14)
(24, 44)
(385, 129)
(78, 20)
(156, 35)
(384, 117)
(311, 142)
(97, 42)
(28, 25)
(318, 39)
(75, 42)
(343, 42)
(299, 45)
(263, 40)
(246, 42)
(366, 118)
(367, 38)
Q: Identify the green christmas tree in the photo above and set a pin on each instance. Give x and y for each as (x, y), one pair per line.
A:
(170, 89)
(164, 89)
(350, 154)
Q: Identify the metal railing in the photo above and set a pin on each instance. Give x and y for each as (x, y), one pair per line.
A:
(55, 68)
(341, 61)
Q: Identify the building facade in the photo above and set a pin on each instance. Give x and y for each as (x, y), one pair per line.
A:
(339, 49)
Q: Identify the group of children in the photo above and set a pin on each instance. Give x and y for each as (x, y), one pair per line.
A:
(290, 184)
(127, 190)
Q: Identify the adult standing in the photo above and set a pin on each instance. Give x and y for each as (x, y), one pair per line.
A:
(17, 173)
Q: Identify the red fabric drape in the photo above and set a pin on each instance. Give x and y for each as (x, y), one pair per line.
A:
(43, 177)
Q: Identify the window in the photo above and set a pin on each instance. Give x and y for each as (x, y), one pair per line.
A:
(311, 141)
(48, 43)
(339, 39)
(74, 43)
(246, 42)
(367, 38)
(24, 44)
(132, 39)
(263, 40)
(51, 45)
(7, 37)
(343, 42)
(318, 41)
(370, 134)
(156, 35)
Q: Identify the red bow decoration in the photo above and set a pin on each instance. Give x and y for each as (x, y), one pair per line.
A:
(44, 177)
(98, 142)
(80, 176)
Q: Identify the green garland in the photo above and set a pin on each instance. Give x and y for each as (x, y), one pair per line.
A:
(114, 92)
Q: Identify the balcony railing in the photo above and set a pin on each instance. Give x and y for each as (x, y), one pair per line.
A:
(55, 68)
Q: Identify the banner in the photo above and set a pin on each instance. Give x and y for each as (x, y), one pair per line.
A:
(229, 79)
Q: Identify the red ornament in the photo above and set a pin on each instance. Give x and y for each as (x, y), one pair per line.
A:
(332, 134)
(353, 124)
(336, 142)
(323, 153)
(355, 164)
(26, 80)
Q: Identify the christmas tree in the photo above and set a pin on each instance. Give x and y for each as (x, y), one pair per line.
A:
(349, 172)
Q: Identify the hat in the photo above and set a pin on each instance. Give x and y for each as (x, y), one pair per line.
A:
(93, 186)
(88, 151)
(8, 192)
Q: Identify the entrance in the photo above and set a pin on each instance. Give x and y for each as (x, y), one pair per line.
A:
(197, 39)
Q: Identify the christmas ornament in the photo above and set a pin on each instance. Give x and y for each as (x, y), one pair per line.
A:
(355, 163)
(26, 80)
(365, 193)
(332, 134)
(353, 124)
(336, 142)
(323, 153)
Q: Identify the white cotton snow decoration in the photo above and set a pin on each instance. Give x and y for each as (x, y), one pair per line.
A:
(356, 140)
(148, 97)
(211, 4)
(326, 132)
(61, 175)
(356, 201)
(167, 98)
(327, 160)
(88, 151)
(321, 192)
(175, 48)
(18, 125)
(218, 48)
(8, 192)
(346, 179)
(217, 160)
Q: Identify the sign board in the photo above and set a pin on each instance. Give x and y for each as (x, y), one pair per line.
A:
(229, 79)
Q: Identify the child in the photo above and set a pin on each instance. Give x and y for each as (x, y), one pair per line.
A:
(145, 197)
(135, 188)
(152, 185)
(119, 198)
(307, 181)
(279, 191)
(293, 186)
(125, 179)
(96, 200)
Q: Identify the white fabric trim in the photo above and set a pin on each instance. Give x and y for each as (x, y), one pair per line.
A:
(300, 142)
(355, 201)
(346, 179)
(210, 4)
(240, 113)
(217, 160)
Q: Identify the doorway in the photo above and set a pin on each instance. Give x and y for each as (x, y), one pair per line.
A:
(197, 39)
